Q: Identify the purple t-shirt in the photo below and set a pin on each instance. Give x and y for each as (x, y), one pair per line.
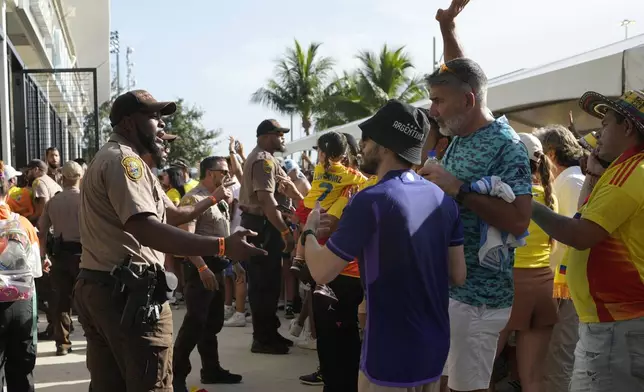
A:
(400, 230)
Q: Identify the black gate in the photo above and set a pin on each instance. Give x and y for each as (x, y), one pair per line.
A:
(55, 108)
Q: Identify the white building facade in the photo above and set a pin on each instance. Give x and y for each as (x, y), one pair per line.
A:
(54, 71)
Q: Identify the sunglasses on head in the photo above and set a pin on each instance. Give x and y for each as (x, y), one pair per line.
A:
(445, 69)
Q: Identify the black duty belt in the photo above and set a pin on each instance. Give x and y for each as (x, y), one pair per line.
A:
(96, 276)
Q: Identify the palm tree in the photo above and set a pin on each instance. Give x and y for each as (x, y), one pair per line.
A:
(298, 83)
(379, 78)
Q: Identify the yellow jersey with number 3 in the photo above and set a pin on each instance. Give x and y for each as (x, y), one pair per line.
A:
(328, 185)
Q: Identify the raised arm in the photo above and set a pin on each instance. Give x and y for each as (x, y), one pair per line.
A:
(452, 48)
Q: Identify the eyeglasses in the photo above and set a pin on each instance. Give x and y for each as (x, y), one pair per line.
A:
(224, 172)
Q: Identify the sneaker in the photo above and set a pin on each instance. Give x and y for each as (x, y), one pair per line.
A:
(273, 348)
(236, 320)
(249, 319)
(295, 329)
(313, 379)
(221, 376)
(308, 343)
(62, 351)
(289, 314)
(282, 340)
(229, 311)
(179, 385)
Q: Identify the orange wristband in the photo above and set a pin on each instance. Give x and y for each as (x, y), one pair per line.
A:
(285, 232)
(202, 268)
(213, 200)
(222, 246)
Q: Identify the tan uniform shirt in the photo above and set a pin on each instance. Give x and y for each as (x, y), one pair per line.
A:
(117, 186)
(213, 222)
(62, 212)
(260, 170)
(55, 174)
(45, 188)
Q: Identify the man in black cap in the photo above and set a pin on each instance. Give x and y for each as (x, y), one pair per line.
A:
(259, 200)
(407, 237)
(123, 228)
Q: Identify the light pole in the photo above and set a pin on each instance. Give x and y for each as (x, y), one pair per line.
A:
(291, 108)
(625, 24)
(115, 48)
(130, 68)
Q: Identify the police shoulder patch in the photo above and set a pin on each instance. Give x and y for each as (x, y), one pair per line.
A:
(268, 166)
(133, 167)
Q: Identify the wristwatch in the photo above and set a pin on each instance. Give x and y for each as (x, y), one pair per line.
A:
(305, 234)
(463, 191)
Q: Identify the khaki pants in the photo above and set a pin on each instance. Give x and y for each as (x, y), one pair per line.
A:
(120, 359)
(364, 385)
(561, 353)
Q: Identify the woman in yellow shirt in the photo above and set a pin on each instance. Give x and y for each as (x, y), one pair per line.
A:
(177, 185)
(534, 311)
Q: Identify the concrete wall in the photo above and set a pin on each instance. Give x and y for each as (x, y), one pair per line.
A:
(89, 25)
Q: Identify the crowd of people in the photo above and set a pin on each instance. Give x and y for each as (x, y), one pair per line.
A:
(440, 252)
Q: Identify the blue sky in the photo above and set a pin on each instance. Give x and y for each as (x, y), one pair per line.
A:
(215, 54)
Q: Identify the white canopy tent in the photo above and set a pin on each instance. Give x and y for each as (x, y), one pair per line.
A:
(535, 97)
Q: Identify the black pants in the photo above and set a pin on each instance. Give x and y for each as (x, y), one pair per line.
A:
(203, 320)
(264, 278)
(64, 271)
(45, 293)
(336, 325)
(17, 345)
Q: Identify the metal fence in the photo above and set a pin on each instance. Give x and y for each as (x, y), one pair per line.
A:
(55, 108)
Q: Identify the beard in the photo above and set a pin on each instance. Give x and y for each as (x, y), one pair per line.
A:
(451, 126)
(370, 164)
(54, 165)
(149, 143)
(280, 147)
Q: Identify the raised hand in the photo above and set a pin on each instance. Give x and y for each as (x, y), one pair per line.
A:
(446, 17)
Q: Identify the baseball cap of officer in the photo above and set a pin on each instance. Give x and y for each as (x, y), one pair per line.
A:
(72, 170)
(267, 127)
(180, 164)
(37, 164)
(399, 127)
(533, 145)
(138, 101)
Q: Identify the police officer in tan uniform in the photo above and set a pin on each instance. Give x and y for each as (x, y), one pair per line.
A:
(204, 286)
(62, 213)
(54, 171)
(43, 186)
(123, 218)
(259, 200)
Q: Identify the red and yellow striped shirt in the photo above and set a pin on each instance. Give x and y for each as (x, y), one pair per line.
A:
(607, 281)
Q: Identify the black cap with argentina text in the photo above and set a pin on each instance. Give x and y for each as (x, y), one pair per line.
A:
(399, 127)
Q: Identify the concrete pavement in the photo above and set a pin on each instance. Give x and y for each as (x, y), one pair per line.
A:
(266, 373)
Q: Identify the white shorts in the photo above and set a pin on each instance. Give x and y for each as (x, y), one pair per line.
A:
(474, 337)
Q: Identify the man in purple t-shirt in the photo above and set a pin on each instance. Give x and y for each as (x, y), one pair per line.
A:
(408, 239)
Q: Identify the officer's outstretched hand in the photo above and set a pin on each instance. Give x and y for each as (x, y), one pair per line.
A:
(237, 248)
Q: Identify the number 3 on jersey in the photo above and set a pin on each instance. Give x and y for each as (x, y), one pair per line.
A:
(327, 189)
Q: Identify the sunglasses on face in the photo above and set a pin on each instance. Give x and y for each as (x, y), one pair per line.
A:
(223, 172)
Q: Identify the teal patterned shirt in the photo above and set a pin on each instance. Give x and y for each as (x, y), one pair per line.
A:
(494, 150)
